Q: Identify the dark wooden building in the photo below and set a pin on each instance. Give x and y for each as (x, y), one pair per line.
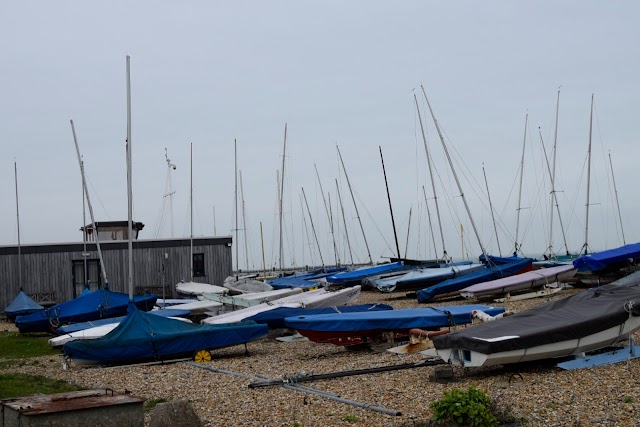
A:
(55, 272)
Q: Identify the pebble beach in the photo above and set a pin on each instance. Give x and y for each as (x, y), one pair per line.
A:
(537, 394)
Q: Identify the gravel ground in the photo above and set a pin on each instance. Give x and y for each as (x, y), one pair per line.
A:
(539, 393)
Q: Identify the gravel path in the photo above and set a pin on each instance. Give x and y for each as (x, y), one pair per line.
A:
(539, 393)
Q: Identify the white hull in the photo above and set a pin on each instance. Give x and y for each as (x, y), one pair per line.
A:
(198, 307)
(195, 289)
(313, 299)
(602, 339)
(248, 300)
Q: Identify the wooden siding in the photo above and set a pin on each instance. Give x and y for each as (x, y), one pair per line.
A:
(51, 270)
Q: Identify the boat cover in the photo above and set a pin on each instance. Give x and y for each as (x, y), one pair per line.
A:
(99, 304)
(604, 259)
(74, 327)
(389, 320)
(275, 318)
(143, 336)
(355, 277)
(490, 273)
(22, 304)
(573, 317)
(518, 282)
(423, 277)
(306, 280)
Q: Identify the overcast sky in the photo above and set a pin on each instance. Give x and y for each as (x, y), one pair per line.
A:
(338, 73)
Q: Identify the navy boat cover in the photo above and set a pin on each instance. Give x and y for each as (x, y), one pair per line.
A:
(143, 336)
(390, 320)
(350, 278)
(576, 316)
(604, 259)
(275, 318)
(99, 304)
(490, 273)
(21, 304)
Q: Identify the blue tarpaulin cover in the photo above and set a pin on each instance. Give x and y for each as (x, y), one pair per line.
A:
(98, 304)
(275, 318)
(74, 327)
(490, 273)
(22, 304)
(389, 320)
(604, 259)
(354, 277)
(143, 336)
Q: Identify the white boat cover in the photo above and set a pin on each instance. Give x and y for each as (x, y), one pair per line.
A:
(193, 288)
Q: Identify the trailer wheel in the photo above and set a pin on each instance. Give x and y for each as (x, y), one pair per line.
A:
(202, 356)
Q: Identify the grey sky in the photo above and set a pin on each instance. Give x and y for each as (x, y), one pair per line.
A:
(336, 72)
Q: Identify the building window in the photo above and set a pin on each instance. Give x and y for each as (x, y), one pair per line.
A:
(198, 265)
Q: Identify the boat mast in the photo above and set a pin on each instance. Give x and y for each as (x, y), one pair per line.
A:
(86, 192)
(406, 245)
(585, 246)
(191, 207)
(553, 178)
(235, 201)
(244, 224)
(355, 205)
(524, 142)
(433, 236)
(15, 172)
(393, 222)
(264, 267)
(84, 240)
(284, 150)
(169, 191)
(493, 218)
(554, 196)
(344, 220)
(329, 217)
(315, 236)
(615, 189)
(129, 181)
(445, 256)
(455, 176)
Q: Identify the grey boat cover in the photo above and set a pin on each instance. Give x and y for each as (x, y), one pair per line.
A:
(576, 316)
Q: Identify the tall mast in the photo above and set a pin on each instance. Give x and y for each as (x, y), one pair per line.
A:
(493, 218)
(344, 220)
(355, 205)
(191, 207)
(554, 197)
(169, 187)
(455, 176)
(15, 172)
(517, 246)
(264, 266)
(326, 208)
(129, 181)
(284, 151)
(235, 203)
(433, 236)
(312, 227)
(84, 238)
(433, 185)
(86, 192)
(585, 246)
(406, 246)
(553, 177)
(244, 224)
(393, 222)
(615, 189)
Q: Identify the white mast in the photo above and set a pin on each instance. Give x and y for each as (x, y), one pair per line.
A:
(433, 236)
(235, 201)
(445, 256)
(585, 246)
(191, 208)
(244, 224)
(553, 178)
(15, 171)
(284, 151)
(524, 142)
(84, 238)
(312, 227)
(169, 192)
(86, 192)
(455, 176)
(615, 189)
(344, 220)
(129, 180)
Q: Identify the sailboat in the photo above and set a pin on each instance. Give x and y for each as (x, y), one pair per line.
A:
(22, 304)
(142, 336)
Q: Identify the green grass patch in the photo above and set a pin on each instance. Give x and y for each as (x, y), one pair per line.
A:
(14, 385)
(14, 345)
